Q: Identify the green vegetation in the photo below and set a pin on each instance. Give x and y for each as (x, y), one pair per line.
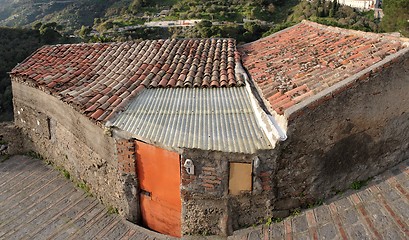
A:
(334, 14)
(315, 204)
(15, 46)
(84, 187)
(359, 184)
(396, 17)
(112, 210)
(35, 155)
(272, 220)
(295, 212)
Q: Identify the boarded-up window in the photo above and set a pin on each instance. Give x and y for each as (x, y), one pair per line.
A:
(240, 178)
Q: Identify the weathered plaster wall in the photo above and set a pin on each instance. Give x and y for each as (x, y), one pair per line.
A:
(207, 206)
(70, 140)
(353, 136)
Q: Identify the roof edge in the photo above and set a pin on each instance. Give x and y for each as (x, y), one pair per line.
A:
(331, 92)
(371, 35)
(27, 58)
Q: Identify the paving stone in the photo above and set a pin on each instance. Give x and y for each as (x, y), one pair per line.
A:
(105, 220)
(64, 219)
(12, 181)
(301, 236)
(300, 224)
(78, 224)
(47, 213)
(117, 232)
(15, 172)
(384, 186)
(396, 171)
(402, 208)
(380, 219)
(349, 216)
(255, 235)
(24, 213)
(366, 195)
(343, 204)
(403, 180)
(358, 232)
(28, 189)
(391, 195)
(391, 234)
(405, 184)
(89, 224)
(322, 214)
(327, 231)
(277, 231)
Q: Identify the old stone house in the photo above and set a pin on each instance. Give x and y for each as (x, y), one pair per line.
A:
(201, 136)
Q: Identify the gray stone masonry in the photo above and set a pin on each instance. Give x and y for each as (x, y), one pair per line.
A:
(39, 203)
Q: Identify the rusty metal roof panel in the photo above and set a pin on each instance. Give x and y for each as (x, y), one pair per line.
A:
(219, 119)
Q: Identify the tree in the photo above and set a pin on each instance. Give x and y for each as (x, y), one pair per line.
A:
(84, 31)
(37, 26)
(396, 16)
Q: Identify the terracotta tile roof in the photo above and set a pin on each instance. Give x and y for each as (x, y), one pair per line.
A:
(100, 79)
(299, 62)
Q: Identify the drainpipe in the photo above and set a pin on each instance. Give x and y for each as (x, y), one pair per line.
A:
(282, 136)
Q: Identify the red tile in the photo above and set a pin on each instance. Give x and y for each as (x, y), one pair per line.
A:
(97, 113)
(310, 54)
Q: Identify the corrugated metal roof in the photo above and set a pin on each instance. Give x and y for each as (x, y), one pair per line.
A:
(219, 119)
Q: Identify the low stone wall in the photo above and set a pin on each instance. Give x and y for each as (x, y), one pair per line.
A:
(11, 141)
(70, 140)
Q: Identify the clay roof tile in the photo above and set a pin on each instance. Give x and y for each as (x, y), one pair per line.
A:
(103, 76)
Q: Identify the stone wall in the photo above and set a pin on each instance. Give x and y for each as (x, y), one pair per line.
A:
(11, 141)
(207, 206)
(70, 140)
(358, 133)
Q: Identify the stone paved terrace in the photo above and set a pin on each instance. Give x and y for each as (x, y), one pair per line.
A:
(37, 202)
(379, 210)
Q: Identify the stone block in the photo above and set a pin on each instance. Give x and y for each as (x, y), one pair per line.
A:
(288, 203)
(281, 213)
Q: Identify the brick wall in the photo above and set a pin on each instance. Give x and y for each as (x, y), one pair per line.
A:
(266, 180)
(126, 156)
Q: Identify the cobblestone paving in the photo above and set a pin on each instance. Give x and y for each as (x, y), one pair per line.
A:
(37, 202)
(378, 211)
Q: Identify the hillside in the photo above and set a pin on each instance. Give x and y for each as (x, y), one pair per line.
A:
(15, 46)
(71, 14)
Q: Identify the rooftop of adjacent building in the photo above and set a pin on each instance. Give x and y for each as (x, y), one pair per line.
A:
(298, 62)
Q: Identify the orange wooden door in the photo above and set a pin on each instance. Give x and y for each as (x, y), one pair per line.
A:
(159, 181)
